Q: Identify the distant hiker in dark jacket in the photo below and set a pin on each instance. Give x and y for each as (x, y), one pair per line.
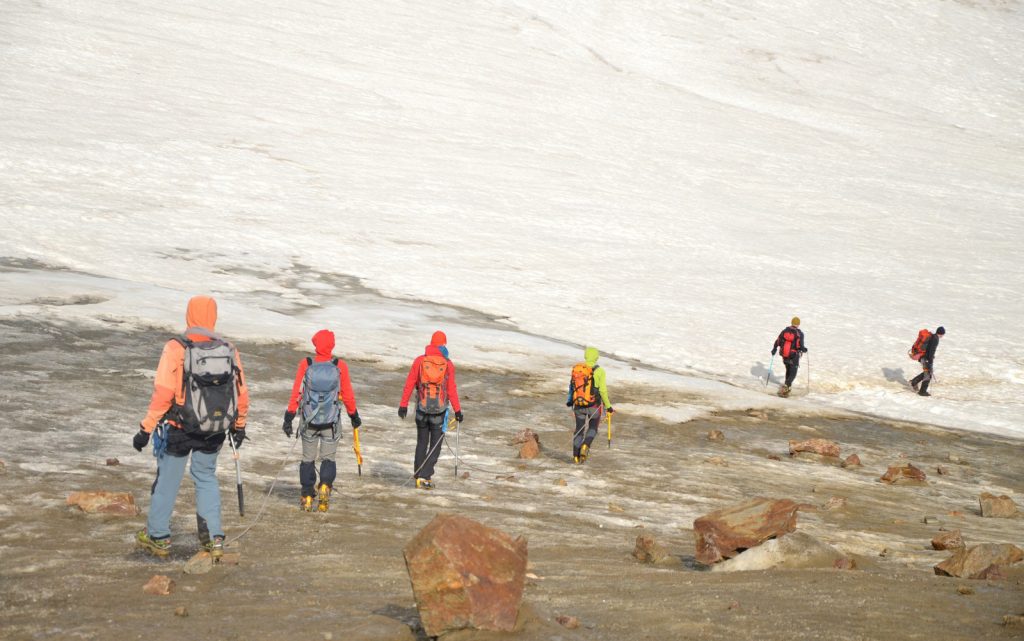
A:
(321, 386)
(921, 381)
(432, 375)
(791, 344)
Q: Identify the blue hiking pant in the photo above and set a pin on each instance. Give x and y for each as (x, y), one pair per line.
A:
(169, 472)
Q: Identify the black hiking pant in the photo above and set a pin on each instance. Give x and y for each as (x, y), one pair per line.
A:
(792, 365)
(429, 435)
(924, 378)
(588, 419)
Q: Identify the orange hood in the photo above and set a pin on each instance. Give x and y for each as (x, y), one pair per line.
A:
(201, 312)
(323, 341)
(438, 339)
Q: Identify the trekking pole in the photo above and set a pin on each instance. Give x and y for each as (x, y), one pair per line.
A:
(808, 372)
(609, 430)
(238, 476)
(357, 450)
(770, 363)
(457, 432)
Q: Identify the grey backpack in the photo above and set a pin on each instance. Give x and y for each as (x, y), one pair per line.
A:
(320, 388)
(210, 382)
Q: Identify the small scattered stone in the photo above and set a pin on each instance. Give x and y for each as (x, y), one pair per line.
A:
(965, 589)
(648, 550)
(159, 585)
(948, 541)
(835, 503)
(716, 435)
(717, 460)
(929, 520)
(181, 611)
(568, 622)
(465, 475)
(844, 564)
(561, 482)
(851, 461)
(774, 457)
(113, 461)
(200, 563)
(1000, 507)
(942, 470)
(1013, 620)
(820, 446)
(612, 507)
(735, 605)
(953, 458)
(885, 552)
(907, 472)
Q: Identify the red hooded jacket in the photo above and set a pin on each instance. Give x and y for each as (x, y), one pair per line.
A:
(323, 341)
(414, 377)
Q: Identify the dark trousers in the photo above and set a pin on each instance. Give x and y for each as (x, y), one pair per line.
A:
(792, 365)
(924, 378)
(429, 435)
(587, 421)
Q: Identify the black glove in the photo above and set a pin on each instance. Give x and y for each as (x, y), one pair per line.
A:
(237, 436)
(568, 403)
(287, 427)
(611, 410)
(803, 350)
(354, 417)
(402, 411)
(140, 440)
(458, 416)
(774, 349)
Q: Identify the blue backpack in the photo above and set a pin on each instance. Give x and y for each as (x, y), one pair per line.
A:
(320, 388)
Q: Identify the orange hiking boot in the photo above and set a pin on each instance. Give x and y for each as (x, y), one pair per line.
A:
(323, 497)
(306, 504)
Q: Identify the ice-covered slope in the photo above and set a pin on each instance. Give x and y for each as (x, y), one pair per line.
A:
(669, 181)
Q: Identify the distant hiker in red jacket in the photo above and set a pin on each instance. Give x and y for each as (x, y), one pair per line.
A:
(921, 381)
(432, 375)
(791, 343)
(320, 382)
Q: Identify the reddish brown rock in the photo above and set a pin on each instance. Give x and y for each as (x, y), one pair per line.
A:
(976, 562)
(529, 450)
(844, 563)
(904, 473)
(104, 502)
(524, 436)
(569, 622)
(948, 541)
(648, 550)
(1000, 507)
(820, 446)
(851, 461)
(113, 461)
(716, 435)
(727, 532)
(465, 575)
(159, 585)
(774, 457)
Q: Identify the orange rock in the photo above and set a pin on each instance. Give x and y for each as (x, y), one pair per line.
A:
(122, 503)
(647, 550)
(821, 446)
(725, 533)
(948, 541)
(529, 450)
(159, 585)
(851, 461)
(907, 472)
(976, 562)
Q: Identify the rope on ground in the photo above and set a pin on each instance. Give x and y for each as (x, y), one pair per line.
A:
(266, 498)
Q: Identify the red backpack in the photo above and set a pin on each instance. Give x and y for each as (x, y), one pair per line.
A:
(789, 341)
(432, 392)
(917, 349)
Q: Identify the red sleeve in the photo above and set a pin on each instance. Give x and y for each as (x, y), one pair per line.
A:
(348, 397)
(453, 389)
(300, 373)
(410, 381)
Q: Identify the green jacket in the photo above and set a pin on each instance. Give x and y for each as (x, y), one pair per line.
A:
(590, 355)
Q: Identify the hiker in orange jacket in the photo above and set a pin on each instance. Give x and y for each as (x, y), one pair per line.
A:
(320, 382)
(432, 375)
(192, 424)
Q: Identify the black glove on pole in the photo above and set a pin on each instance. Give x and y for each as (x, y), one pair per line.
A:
(287, 426)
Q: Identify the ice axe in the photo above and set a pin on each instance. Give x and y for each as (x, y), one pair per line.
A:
(609, 430)
(238, 476)
(358, 450)
(770, 363)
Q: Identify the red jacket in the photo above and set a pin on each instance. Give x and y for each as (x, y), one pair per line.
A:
(323, 341)
(414, 378)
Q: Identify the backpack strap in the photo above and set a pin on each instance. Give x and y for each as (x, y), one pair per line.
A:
(309, 361)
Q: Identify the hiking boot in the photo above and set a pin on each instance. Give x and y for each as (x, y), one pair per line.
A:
(584, 452)
(424, 484)
(324, 497)
(215, 547)
(784, 391)
(913, 385)
(576, 460)
(156, 547)
(923, 393)
(306, 504)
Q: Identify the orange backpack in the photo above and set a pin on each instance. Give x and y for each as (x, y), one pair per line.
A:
(432, 392)
(917, 350)
(583, 394)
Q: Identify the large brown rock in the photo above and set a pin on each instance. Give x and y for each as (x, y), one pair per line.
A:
(465, 575)
(529, 450)
(904, 473)
(948, 541)
(821, 446)
(159, 585)
(727, 532)
(994, 506)
(104, 502)
(976, 562)
(524, 435)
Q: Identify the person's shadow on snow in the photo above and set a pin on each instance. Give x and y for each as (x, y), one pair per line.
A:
(760, 370)
(895, 375)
